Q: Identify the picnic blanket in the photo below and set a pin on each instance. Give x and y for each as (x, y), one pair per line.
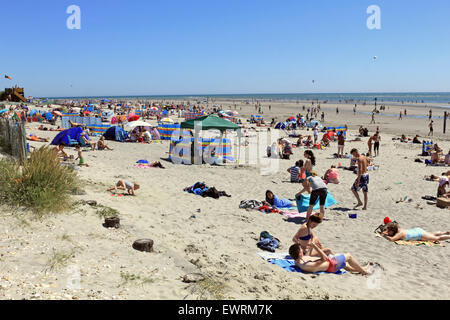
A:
(284, 261)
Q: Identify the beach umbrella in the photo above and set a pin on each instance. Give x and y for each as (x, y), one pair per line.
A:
(133, 117)
(167, 120)
(131, 125)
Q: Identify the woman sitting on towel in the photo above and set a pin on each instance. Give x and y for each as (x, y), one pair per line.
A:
(318, 190)
(273, 201)
(394, 233)
(304, 236)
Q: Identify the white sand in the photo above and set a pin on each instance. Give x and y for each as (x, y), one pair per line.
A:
(220, 242)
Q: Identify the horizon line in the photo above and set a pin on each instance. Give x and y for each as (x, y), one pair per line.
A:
(243, 94)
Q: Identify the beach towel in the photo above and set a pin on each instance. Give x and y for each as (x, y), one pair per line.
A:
(418, 243)
(284, 261)
(415, 242)
(303, 202)
(293, 214)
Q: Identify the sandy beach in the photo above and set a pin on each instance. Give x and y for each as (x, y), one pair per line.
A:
(215, 240)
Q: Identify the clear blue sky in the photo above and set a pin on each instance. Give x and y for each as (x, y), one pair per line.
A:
(139, 47)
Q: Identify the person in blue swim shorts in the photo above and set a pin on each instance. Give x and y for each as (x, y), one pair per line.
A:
(394, 233)
(362, 182)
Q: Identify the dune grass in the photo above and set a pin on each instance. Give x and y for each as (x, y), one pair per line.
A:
(40, 184)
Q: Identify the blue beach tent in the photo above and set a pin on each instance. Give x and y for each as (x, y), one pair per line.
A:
(116, 133)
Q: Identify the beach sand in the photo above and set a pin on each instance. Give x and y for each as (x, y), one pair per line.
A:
(220, 241)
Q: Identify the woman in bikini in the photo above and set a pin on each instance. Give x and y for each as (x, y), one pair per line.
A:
(394, 233)
(310, 162)
(305, 236)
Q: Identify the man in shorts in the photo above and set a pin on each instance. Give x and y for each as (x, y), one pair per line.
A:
(324, 263)
(362, 182)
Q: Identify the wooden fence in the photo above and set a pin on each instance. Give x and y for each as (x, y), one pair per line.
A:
(13, 138)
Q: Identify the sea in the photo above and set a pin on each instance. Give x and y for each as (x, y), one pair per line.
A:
(412, 97)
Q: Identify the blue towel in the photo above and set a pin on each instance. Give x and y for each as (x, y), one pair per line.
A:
(289, 265)
(281, 203)
(303, 202)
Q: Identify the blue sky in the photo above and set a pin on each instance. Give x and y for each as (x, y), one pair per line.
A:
(140, 47)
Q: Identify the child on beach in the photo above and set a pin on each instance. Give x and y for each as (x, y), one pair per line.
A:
(125, 185)
(297, 172)
(80, 157)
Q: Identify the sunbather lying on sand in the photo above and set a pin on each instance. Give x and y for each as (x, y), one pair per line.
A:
(32, 137)
(394, 233)
(305, 236)
(323, 263)
(274, 201)
(125, 185)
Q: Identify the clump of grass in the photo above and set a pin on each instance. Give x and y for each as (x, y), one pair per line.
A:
(40, 184)
(130, 277)
(106, 212)
(59, 259)
(209, 287)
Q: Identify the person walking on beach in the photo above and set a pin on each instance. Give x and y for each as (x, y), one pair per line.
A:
(431, 128)
(80, 157)
(362, 181)
(430, 114)
(400, 117)
(373, 118)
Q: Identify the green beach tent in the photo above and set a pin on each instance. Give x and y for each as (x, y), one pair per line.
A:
(212, 122)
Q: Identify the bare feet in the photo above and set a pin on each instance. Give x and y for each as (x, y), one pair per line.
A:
(358, 205)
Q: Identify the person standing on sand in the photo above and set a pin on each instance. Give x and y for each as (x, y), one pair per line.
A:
(373, 117)
(400, 117)
(431, 128)
(376, 147)
(341, 143)
(362, 182)
(430, 114)
(369, 144)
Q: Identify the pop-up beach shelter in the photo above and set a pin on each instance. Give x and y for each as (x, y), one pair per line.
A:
(212, 122)
(116, 134)
(69, 137)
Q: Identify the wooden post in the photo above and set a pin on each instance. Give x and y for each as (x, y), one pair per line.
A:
(445, 120)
